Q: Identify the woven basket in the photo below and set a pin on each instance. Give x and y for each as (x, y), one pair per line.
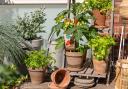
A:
(121, 80)
(124, 9)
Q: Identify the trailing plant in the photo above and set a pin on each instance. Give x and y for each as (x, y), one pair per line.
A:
(103, 5)
(38, 59)
(10, 48)
(100, 46)
(30, 24)
(78, 26)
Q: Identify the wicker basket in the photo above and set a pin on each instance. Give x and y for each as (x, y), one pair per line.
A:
(121, 75)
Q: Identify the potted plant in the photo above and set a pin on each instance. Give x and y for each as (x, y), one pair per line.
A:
(36, 62)
(75, 30)
(99, 8)
(30, 25)
(100, 48)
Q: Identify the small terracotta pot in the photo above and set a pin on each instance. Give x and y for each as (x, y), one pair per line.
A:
(37, 75)
(100, 67)
(74, 61)
(99, 18)
(60, 79)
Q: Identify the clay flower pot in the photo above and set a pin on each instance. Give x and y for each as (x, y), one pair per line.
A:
(99, 18)
(37, 75)
(74, 61)
(100, 67)
(60, 79)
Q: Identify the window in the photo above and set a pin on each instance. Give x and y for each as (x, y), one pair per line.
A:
(38, 1)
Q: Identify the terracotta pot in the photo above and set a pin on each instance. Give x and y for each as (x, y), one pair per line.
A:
(36, 44)
(99, 18)
(100, 67)
(124, 9)
(74, 61)
(37, 75)
(60, 79)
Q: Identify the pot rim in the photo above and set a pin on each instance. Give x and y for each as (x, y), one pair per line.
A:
(36, 69)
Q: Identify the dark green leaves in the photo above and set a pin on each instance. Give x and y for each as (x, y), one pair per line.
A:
(31, 24)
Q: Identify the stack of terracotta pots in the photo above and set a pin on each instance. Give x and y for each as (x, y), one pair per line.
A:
(60, 79)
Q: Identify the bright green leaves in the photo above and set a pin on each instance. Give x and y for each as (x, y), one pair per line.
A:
(60, 42)
(61, 16)
(38, 59)
(103, 5)
(100, 46)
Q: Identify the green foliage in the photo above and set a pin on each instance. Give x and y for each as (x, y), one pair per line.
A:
(103, 5)
(9, 76)
(100, 46)
(10, 45)
(38, 59)
(30, 24)
(77, 25)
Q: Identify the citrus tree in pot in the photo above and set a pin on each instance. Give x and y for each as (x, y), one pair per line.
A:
(101, 48)
(100, 9)
(37, 62)
(30, 25)
(75, 30)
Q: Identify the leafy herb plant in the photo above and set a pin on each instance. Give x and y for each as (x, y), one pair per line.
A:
(38, 59)
(103, 5)
(100, 46)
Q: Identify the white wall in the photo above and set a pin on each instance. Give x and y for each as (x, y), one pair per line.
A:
(9, 13)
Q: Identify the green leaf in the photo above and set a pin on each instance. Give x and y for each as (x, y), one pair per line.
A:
(60, 43)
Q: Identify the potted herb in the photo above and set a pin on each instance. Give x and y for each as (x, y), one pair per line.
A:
(100, 8)
(75, 30)
(36, 62)
(30, 25)
(100, 49)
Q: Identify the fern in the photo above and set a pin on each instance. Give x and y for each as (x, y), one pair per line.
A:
(10, 45)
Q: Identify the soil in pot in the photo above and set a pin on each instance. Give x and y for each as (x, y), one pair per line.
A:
(74, 61)
(100, 67)
(99, 18)
(37, 75)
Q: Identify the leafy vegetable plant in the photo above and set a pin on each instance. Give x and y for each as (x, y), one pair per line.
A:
(38, 59)
(100, 46)
(103, 5)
